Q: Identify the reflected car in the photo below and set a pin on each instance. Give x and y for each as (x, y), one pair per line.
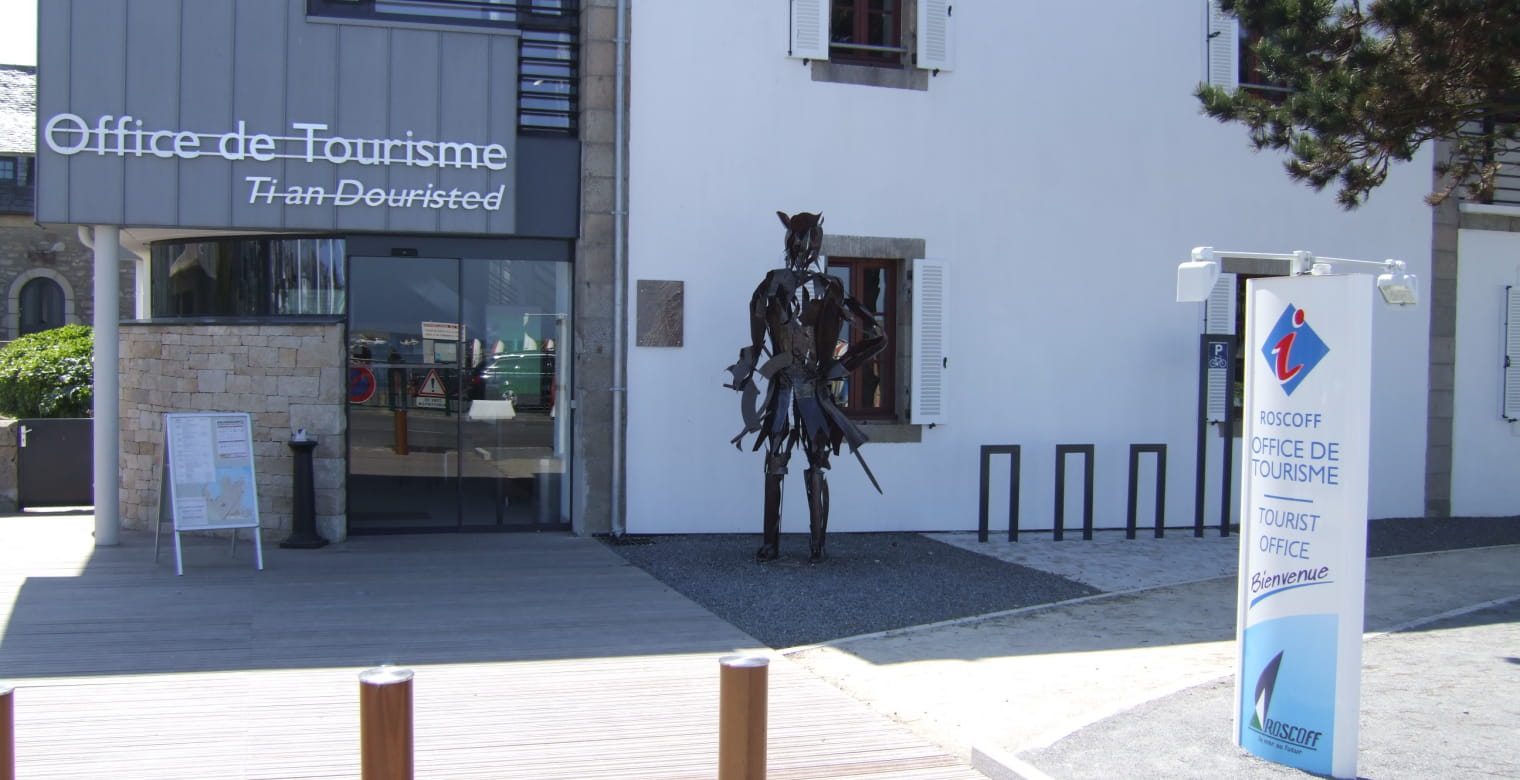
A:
(524, 378)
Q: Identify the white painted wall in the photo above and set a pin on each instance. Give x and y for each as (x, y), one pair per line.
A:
(1063, 169)
(1487, 448)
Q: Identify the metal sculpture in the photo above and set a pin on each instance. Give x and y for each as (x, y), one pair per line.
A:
(796, 315)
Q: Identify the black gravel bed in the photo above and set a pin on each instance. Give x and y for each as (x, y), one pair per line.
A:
(869, 582)
(1405, 535)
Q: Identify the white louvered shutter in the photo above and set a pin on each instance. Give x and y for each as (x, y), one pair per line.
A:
(936, 35)
(1219, 311)
(809, 30)
(1512, 354)
(1219, 319)
(1222, 47)
(930, 360)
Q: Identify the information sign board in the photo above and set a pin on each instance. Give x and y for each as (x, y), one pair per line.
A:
(440, 331)
(208, 476)
(1308, 380)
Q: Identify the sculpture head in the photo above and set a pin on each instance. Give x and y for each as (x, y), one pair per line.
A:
(804, 238)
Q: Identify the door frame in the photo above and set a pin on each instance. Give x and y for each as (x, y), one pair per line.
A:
(460, 250)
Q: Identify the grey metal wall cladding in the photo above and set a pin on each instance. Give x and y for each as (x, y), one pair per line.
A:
(243, 114)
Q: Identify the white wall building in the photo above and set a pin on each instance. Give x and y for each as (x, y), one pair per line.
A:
(1059, 167)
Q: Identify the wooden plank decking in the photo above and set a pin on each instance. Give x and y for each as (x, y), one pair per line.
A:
(537, 656)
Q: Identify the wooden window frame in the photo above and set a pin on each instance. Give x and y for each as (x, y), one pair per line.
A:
(861, 34)
(852, 271)
(1250, 75)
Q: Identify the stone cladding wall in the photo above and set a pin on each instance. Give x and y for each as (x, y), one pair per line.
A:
(286, 376)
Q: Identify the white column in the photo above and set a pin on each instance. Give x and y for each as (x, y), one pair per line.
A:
(107, 423)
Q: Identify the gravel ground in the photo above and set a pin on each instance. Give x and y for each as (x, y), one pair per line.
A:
(869, 583)
(884, 581)
(1402, 536)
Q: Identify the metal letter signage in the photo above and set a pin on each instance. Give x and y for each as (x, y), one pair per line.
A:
(1308, 379)
(126, 136)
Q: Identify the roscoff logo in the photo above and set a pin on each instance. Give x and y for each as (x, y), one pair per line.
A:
(1265, 685)
(1293, 349)
(1298, 737)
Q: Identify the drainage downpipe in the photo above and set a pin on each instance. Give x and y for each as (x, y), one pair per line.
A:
(619, 261)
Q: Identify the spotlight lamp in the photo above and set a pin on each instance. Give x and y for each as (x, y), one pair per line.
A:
(1197, 276)
(1398, 286)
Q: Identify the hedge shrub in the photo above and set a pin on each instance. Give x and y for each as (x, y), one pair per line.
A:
(48, 374)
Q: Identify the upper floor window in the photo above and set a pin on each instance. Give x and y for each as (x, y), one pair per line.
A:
(900, 41)
(1250, 71)
(866, 31)
(1232, 59)
(547, 54)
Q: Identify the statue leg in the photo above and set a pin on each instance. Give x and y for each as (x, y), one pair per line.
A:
(818, 511)
(775, 473)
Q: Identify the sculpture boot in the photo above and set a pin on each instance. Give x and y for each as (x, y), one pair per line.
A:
(818, 512)
(770, 543)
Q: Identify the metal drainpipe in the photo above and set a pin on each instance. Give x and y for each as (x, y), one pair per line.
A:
(619, 259)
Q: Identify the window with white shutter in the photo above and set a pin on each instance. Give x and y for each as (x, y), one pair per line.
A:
(1222, 47)
(936, 35)
(1512, 354)
(930, 359)
(809, 30)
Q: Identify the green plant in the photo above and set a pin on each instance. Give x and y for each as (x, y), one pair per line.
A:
(49, 374)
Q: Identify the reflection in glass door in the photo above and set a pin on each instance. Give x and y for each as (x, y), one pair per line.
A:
(458, 415)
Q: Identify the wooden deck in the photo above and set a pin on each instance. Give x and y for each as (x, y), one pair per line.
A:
(538, 656)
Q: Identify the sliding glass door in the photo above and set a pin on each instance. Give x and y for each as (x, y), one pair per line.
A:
(458, 406)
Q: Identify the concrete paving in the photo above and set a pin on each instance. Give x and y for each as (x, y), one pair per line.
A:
(1139, 682)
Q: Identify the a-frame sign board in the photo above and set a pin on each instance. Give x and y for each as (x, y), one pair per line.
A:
(208, 479)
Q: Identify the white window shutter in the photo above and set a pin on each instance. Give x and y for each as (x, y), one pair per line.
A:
(1219, 311)
(936, 35)
(1512, 354)
(809, 30)
(1222, 47)
(930, 360)
(1219, 319)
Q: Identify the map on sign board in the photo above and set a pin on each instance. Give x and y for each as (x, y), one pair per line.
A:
(209, 471)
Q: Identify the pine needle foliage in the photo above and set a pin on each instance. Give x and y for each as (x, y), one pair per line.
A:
(1370, 83)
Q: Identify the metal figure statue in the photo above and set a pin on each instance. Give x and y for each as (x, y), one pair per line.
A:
(796, 315)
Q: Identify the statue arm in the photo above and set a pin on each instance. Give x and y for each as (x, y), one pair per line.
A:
(749, 356)
(872, 338)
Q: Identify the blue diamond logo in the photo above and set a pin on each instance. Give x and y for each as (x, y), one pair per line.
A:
(1293, 349)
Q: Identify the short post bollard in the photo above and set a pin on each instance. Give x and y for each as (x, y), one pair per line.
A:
(7, 733)
(742, 717)
(303, 509)
(385, 724)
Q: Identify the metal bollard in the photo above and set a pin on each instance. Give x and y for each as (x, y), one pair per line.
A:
(385, 724)
(7, 733)
(742, 717)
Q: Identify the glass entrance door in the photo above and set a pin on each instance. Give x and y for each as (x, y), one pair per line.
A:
(457, 416)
